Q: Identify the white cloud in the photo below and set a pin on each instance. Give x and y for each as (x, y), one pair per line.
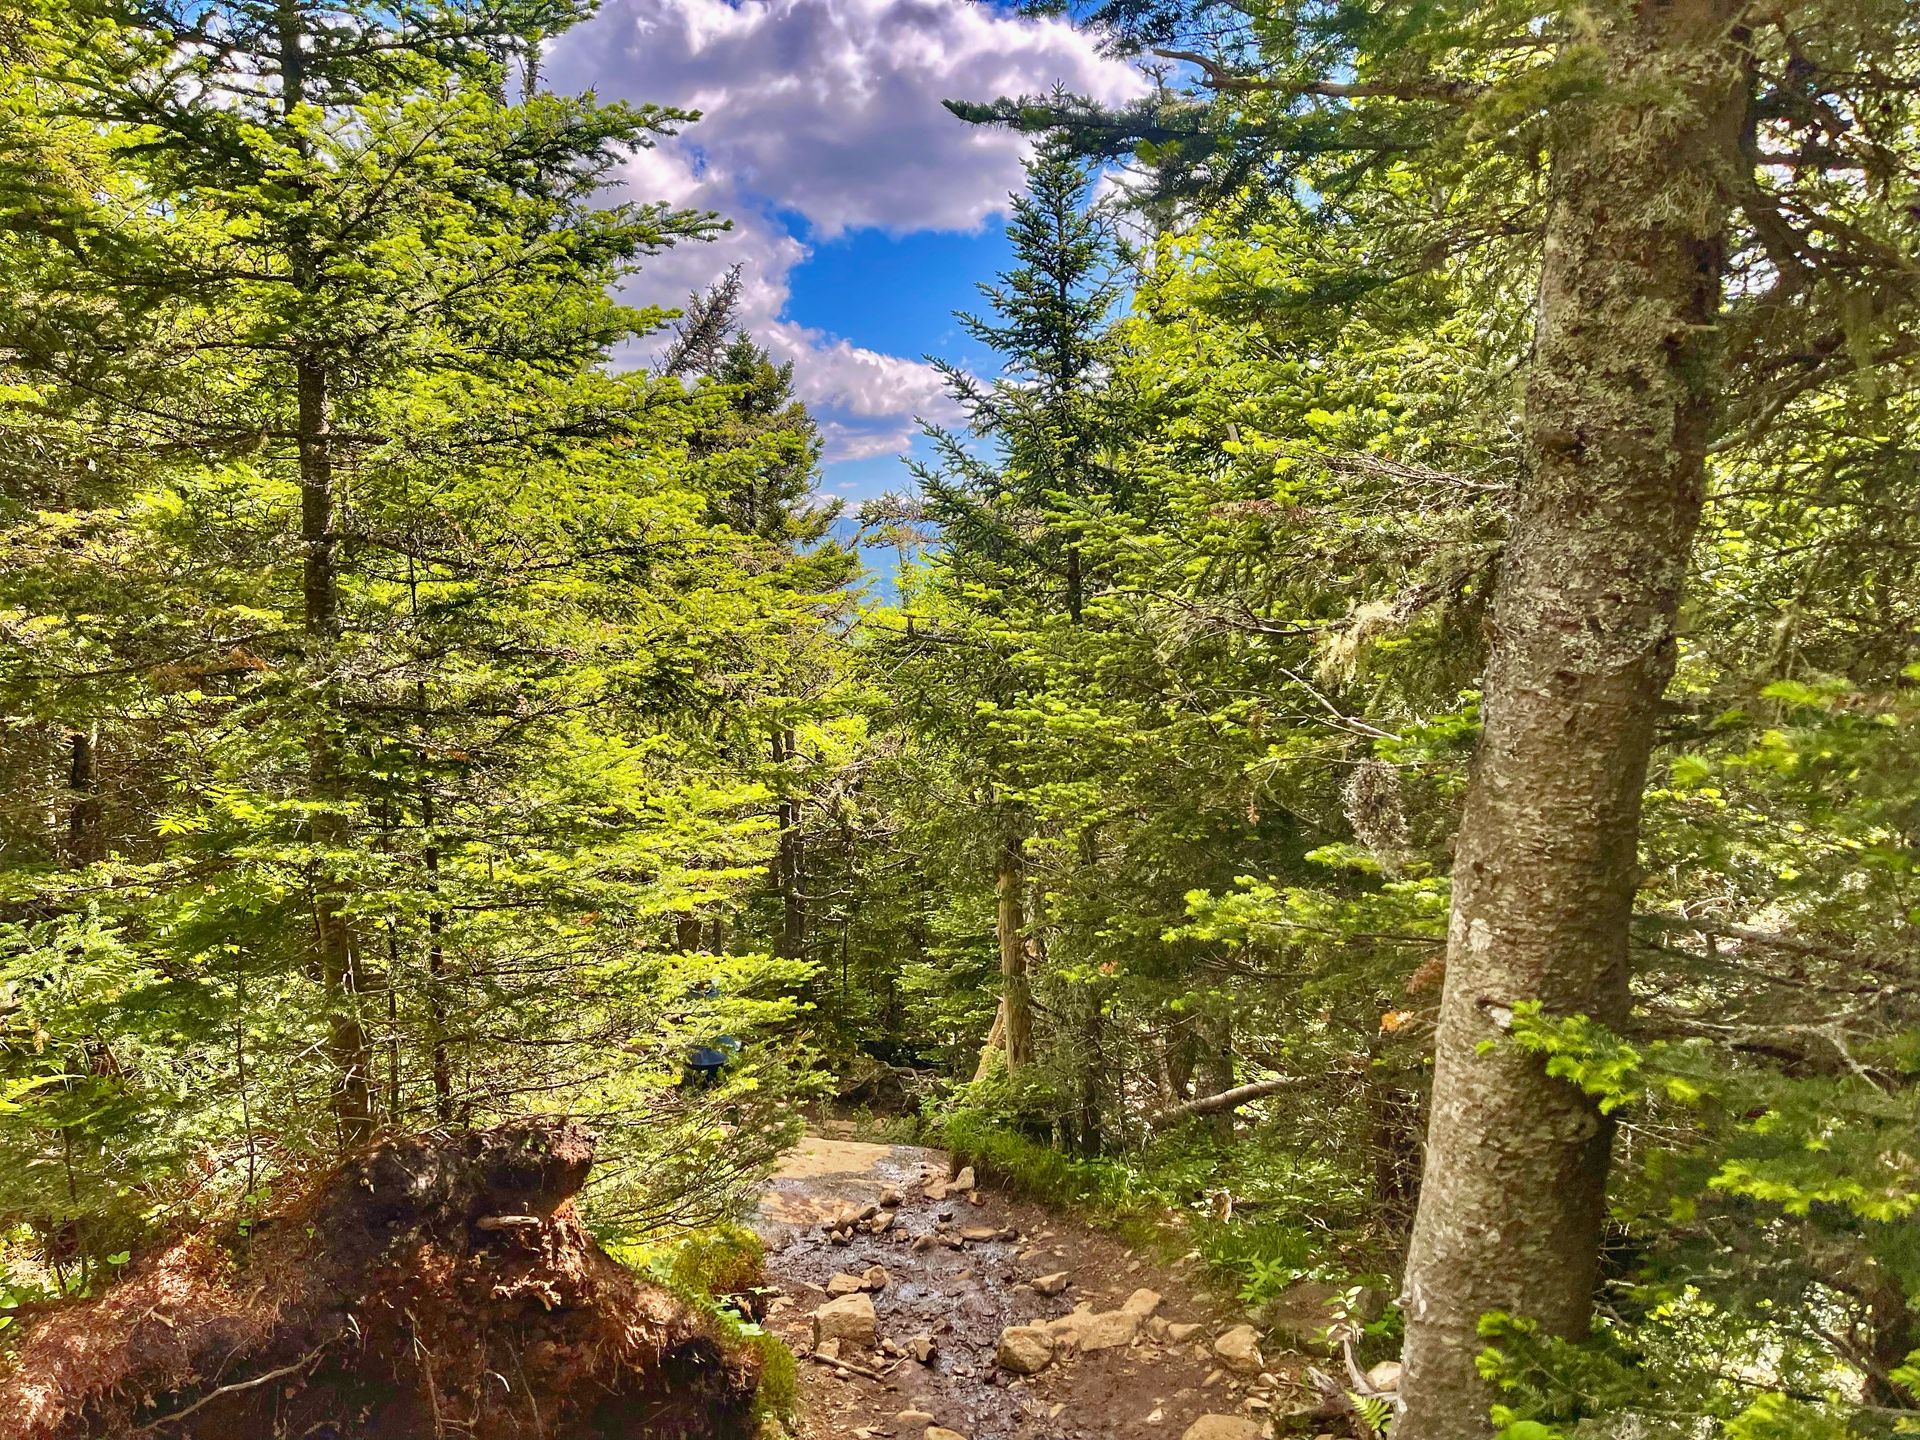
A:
(829, 110)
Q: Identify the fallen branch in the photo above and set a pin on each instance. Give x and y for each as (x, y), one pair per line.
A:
(834, 1362)
(1226, 1100)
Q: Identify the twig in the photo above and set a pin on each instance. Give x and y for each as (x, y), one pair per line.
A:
(238, 1385)
(833, 1363)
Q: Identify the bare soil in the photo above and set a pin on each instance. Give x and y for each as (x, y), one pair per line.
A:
(433, 1286)
(964, 1297)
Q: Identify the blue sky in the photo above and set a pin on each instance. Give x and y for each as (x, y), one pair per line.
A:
(863, 213)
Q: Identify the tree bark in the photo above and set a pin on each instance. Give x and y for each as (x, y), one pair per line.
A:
(788, 860)
(1224, 1102)
(335, 950)
(1216, 1068)
(336, 947)
(1010, 926)
(1620, 404)
(83, 785)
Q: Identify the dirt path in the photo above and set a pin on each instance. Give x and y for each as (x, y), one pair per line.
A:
(961, 1292)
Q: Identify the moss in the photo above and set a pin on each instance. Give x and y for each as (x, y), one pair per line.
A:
(707, 1269)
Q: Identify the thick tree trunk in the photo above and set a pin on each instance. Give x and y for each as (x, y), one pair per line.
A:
(1624, 378)
(1010, 926)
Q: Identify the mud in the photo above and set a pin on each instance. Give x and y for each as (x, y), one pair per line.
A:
(963, 1298)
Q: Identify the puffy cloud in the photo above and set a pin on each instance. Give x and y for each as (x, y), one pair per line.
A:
(829, 111)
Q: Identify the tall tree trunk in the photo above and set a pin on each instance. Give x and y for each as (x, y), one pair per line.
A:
(83, 786)
(1619, 408)
(335, 951)
(1216, 1069)
(1093, 1034)
(1010, 926)
(788, 860)
(335, 945)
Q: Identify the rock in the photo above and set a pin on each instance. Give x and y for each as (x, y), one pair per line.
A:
(1024, 1349)
(881, 1223)
(875, 1278)
(979, 1234)
(890, 1198)
(1385, 1377)
(1142, 1303)
(1239, 1350)
(844, 1284)
(1050, 1284)
(922, 1243)
(849, 1319)
(921, 1348)
(1299, 1316)
(907, 1419)
(940, 1432)
(1096, 1330)
(963, 1181)
(1179, 1332)
(1225, 1427)
(828, 1349)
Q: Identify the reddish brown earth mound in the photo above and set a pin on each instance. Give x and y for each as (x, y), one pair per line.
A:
(433, 1286)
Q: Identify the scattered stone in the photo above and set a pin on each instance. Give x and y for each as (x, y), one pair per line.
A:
(1142, 1303)
(839, 1237)
(1385, 1377)
(1091, 1330)
(974, 1197)
(979, 1234)
(1052, 1284)
(1224, 1427)
(890, 1198)
(1239, 1350)
(881, 1223)
(875, 1278)
(1179, 1332)
(921, 1348)
(964, 1180)
(922, 1243)
(850, 1319)
(940, 1432)
(910, 1418)
(844, 1284)
(1024, 1349)
(828, 1349)
(1214, 1377)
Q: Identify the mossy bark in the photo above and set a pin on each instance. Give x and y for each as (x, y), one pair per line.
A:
(1620, 405)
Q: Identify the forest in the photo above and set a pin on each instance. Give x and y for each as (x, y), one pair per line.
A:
(1381, 752)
